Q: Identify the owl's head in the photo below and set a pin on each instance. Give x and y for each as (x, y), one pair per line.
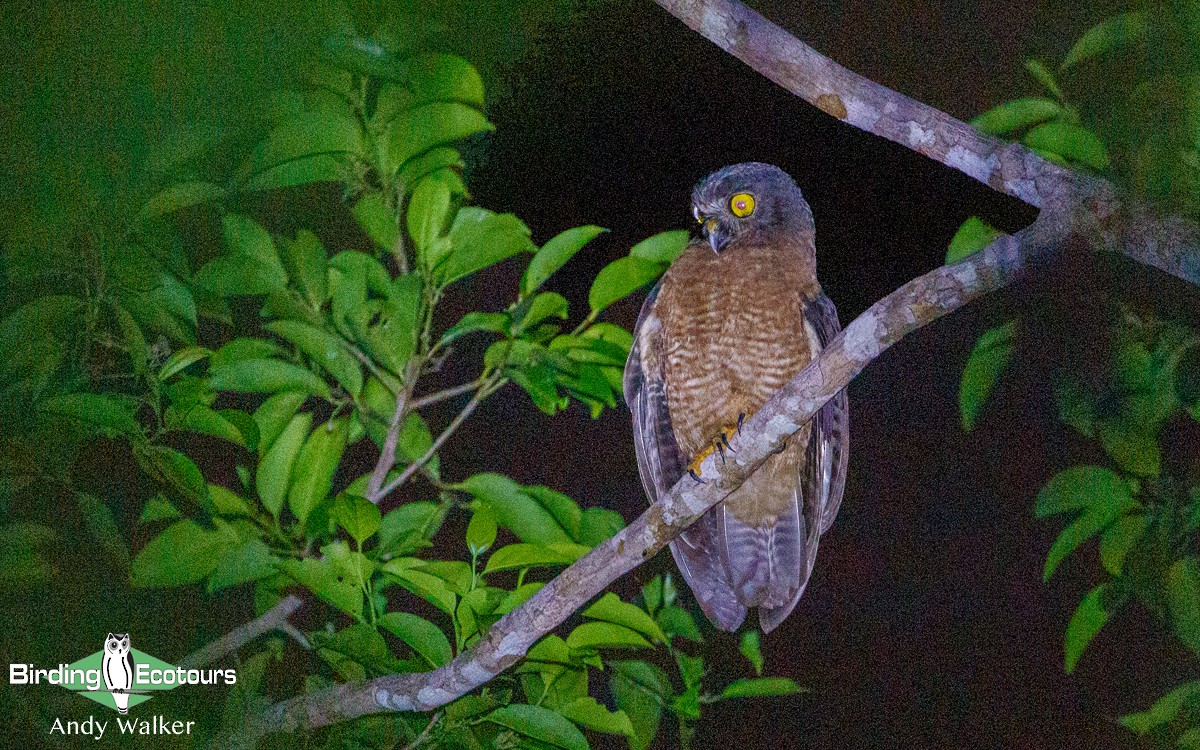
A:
(116, 643)
(745, 198)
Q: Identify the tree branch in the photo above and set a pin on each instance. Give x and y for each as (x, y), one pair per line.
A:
(910, 307)
(1073, 206)
(275, 617)
(1006, 167)
(449, 393)
(483, 392)
(387, 456)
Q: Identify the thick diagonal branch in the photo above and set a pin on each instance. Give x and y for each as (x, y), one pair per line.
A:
(838, 91)
(908, 308)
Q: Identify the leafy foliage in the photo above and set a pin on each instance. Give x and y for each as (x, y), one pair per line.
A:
(290, 355)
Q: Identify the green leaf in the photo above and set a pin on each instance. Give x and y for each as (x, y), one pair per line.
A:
(378, 220)
(419, 129)
(598, 525)
(480, 239)
(33, 339)
(250, 561)
(1079, 488)
(1099, 515)
(183, 553)
(357, 515)
(181, 359)
(428, 212)
(102, 526)
(99, 412)
(244, 348)
(1071, 142)
(610, 608)
(1120, 30)
(992, 353)
(1017, 115)
(266, 376)
(409, 527)
(1089, 617)
(228, 503)
(973, 236)
(640, 690)
(536, 309)
(429, 587)
(180, 196)
(134, 339)
(1183, 597)
(588, 712)
(621, 277)
(677, 622)
(540, 724)
(516, 556)
(475, 321)
(751, 650)
(200, 418)
(171, 467)
(555, 254)
(481, 531)
(516, 510)
(315, 467)
(436, 160)
(320, 168)
(158, 508)
(1165, 709)
(252, 265)
(443, 78)
(592, 635)
(1043, 76)
(336, 583)
(1133, 448)
(422, 636)
(327, 350)
(307, 265)
(663, 247)
(274, 414)
(275, 469)
(1118, 539)
(518, 596)
(759, 687)
(304, 137)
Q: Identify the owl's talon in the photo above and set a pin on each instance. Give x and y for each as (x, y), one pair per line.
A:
(692, 473)
(741, 418)
(718, 445)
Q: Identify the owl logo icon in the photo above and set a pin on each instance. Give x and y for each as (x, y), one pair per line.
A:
(118, 669)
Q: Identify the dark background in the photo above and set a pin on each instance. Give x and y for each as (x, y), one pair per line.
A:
(926, 623)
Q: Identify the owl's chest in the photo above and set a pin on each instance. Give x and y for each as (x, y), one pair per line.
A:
(733, 334)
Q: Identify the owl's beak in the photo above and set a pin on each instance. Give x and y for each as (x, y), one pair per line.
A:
(716, 235)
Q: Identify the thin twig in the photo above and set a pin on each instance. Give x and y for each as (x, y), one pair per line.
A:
(423, 737)
(275, 617)
(438, 397)
(484, 391)
(387, 457)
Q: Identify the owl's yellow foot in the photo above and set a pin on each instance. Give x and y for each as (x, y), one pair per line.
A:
(718, 444)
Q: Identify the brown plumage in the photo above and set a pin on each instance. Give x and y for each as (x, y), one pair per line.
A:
(735, 317)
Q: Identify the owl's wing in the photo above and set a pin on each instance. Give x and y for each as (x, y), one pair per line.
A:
(661, 463)
(823, 472)
(829, 448)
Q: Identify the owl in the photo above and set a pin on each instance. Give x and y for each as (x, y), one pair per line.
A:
(735, 317)
(118, 669)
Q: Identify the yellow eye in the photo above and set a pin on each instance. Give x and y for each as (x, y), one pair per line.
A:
(742, 205)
